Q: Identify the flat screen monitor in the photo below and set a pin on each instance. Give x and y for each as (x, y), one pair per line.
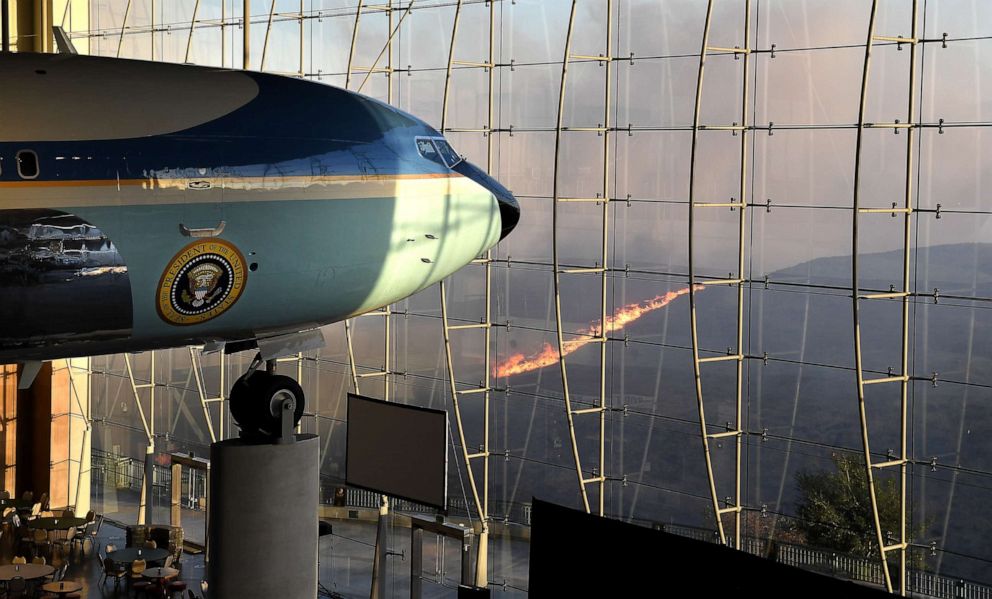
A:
(397, 450)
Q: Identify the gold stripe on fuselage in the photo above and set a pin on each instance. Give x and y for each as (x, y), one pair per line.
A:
(158, 191)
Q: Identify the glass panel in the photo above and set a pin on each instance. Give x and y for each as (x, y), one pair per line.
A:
(798, 381)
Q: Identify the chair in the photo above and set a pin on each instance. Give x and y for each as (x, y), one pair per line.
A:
(39, 560)
(137, 567)
(112, 570)
(88, 533)
(143, 587)
(150, 544)
(19, 560)
(176, 586)
(58, 574)
(65, 542)
(95, 531)
(17, 588)
(40, 541)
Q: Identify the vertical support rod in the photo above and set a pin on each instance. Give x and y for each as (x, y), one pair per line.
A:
(268, 31)
(907, 241)
(192, 27)
(416, 562)
(120, 40)
(351, 52)
(604, 279)
(692, 276)
(482, 551)
(447, 71)
(302, 31)
(351, 355)
(389, 64)
(741, 248)
(246, 39)
(175, 512)
(145, 517)
(197, 366)
(569, 414)
(473, 485)
(856, 316)
(5, 24)
(378, 590)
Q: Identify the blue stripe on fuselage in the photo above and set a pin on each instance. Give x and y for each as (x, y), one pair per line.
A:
(292, 128)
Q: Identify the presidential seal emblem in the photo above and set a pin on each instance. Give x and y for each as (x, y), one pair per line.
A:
(201, 282)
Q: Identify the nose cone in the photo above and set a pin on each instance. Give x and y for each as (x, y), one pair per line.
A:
(509, 209)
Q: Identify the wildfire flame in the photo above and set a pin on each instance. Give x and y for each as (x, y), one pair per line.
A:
(519, 363)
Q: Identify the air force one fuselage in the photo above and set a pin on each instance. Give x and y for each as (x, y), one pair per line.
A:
(148, 205)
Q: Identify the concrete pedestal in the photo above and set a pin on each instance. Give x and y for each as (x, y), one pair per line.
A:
(263, 519)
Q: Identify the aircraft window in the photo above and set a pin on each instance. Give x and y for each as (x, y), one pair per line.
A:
(27, 164)
(427, 150)
(450, 156)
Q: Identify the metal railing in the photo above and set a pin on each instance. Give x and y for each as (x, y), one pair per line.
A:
(122, 472)
(119, 472)
(919, 582)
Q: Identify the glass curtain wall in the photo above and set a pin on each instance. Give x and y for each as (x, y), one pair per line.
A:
(800, 419)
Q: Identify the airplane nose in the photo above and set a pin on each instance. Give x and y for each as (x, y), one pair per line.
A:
(509, 208)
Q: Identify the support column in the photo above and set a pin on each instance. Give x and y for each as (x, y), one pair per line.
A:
(69, 467)
(33, 25)
(8, 421)
(263, 518)
(175, 517)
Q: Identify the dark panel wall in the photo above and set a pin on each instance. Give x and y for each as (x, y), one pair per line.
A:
(34, 419)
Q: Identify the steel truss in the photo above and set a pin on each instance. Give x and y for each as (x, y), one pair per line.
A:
(598, 411)
(732, 430)
(903, 295)
(482, 390)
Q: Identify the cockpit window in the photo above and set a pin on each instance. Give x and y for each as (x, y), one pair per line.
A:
(438, 150)
(449, 155)
(427, 150)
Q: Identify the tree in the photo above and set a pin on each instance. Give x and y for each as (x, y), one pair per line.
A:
(835, 509)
